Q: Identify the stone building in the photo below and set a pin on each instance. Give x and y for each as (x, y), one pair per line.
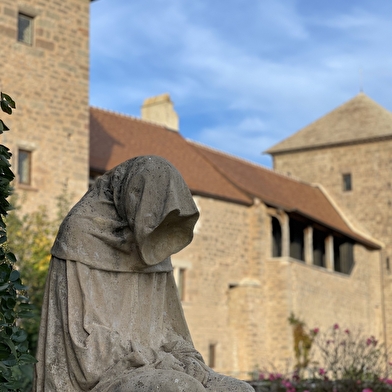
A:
(50, 129)
(349, 152)
(266, 246)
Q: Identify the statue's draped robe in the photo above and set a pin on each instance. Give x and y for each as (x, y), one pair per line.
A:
(111, 310)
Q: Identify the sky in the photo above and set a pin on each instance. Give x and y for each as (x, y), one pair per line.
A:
(243, 74)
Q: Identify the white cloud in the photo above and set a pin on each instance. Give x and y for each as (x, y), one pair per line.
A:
(254, 71)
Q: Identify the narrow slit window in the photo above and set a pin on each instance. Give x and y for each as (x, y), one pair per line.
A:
(347, 182)
(25, 29)
(181, 283)
(276, 238)
(212, 355)
(24, 167)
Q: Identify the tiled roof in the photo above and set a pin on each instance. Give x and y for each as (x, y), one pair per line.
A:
(357, 120)
(115, 138)
(281, 191)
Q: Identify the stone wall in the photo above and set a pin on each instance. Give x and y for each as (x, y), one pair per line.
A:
(239, 298)
(368, 205)
(49, 82)
(223, 291)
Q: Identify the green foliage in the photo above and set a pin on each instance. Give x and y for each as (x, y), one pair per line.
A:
(31, 239)
(337, 360)
(350, 355)
(303, 341)
(15, 361)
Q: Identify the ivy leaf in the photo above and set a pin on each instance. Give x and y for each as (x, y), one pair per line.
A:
(3, 127)
(8, 99)
(5, 107)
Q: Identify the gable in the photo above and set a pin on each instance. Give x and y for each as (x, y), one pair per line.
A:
(356, 121)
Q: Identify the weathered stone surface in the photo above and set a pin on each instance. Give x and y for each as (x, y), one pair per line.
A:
(112, 319)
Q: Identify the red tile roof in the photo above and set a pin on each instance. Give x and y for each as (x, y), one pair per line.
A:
(281, 191)
(115, 138)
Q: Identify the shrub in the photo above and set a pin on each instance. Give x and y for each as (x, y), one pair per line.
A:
(15, 360)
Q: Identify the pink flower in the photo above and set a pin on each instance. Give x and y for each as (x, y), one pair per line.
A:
(336, 326)
(367, 390)
(296, 377)
(390, 363)
(316, 331)
(276, 376)
(372, 340)
(347, 331)
(321, 372)
(261, 376)
(388, 381)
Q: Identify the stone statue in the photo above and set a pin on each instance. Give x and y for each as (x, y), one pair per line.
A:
(112, 319)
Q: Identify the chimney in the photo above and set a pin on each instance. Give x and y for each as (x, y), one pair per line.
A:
(160, 110)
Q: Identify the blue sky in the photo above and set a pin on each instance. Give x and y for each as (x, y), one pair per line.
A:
(243, 74)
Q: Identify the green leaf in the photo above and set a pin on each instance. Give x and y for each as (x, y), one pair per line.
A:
(11, 302)
(19, 336)
(10, 361)
(5, 107)
(15, 275)
(26, 314)
(3, 127)
(11, 257)
(5, 271)
(27, 358)
(19, 286)
(8, 99)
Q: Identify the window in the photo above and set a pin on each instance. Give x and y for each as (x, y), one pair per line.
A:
(347, 182)
(319, 247)
(276, 238)
(24, 167)
(211, 355)
(181, 283)
(25, 29)
(343, 255)
(297, 239)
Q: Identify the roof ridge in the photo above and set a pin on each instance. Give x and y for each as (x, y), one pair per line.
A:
(132, 117)
(343, 120)
(268, 169)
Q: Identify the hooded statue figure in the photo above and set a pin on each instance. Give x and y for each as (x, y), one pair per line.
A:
(112, 319)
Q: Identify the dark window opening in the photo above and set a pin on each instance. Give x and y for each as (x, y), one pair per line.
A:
(211, 355)
(343, 255)
(181, 283)
(24, 167)
(319, 238)
(276, 238)
(25, 29)
(297, 250)
(387, 264)
(347, 182)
